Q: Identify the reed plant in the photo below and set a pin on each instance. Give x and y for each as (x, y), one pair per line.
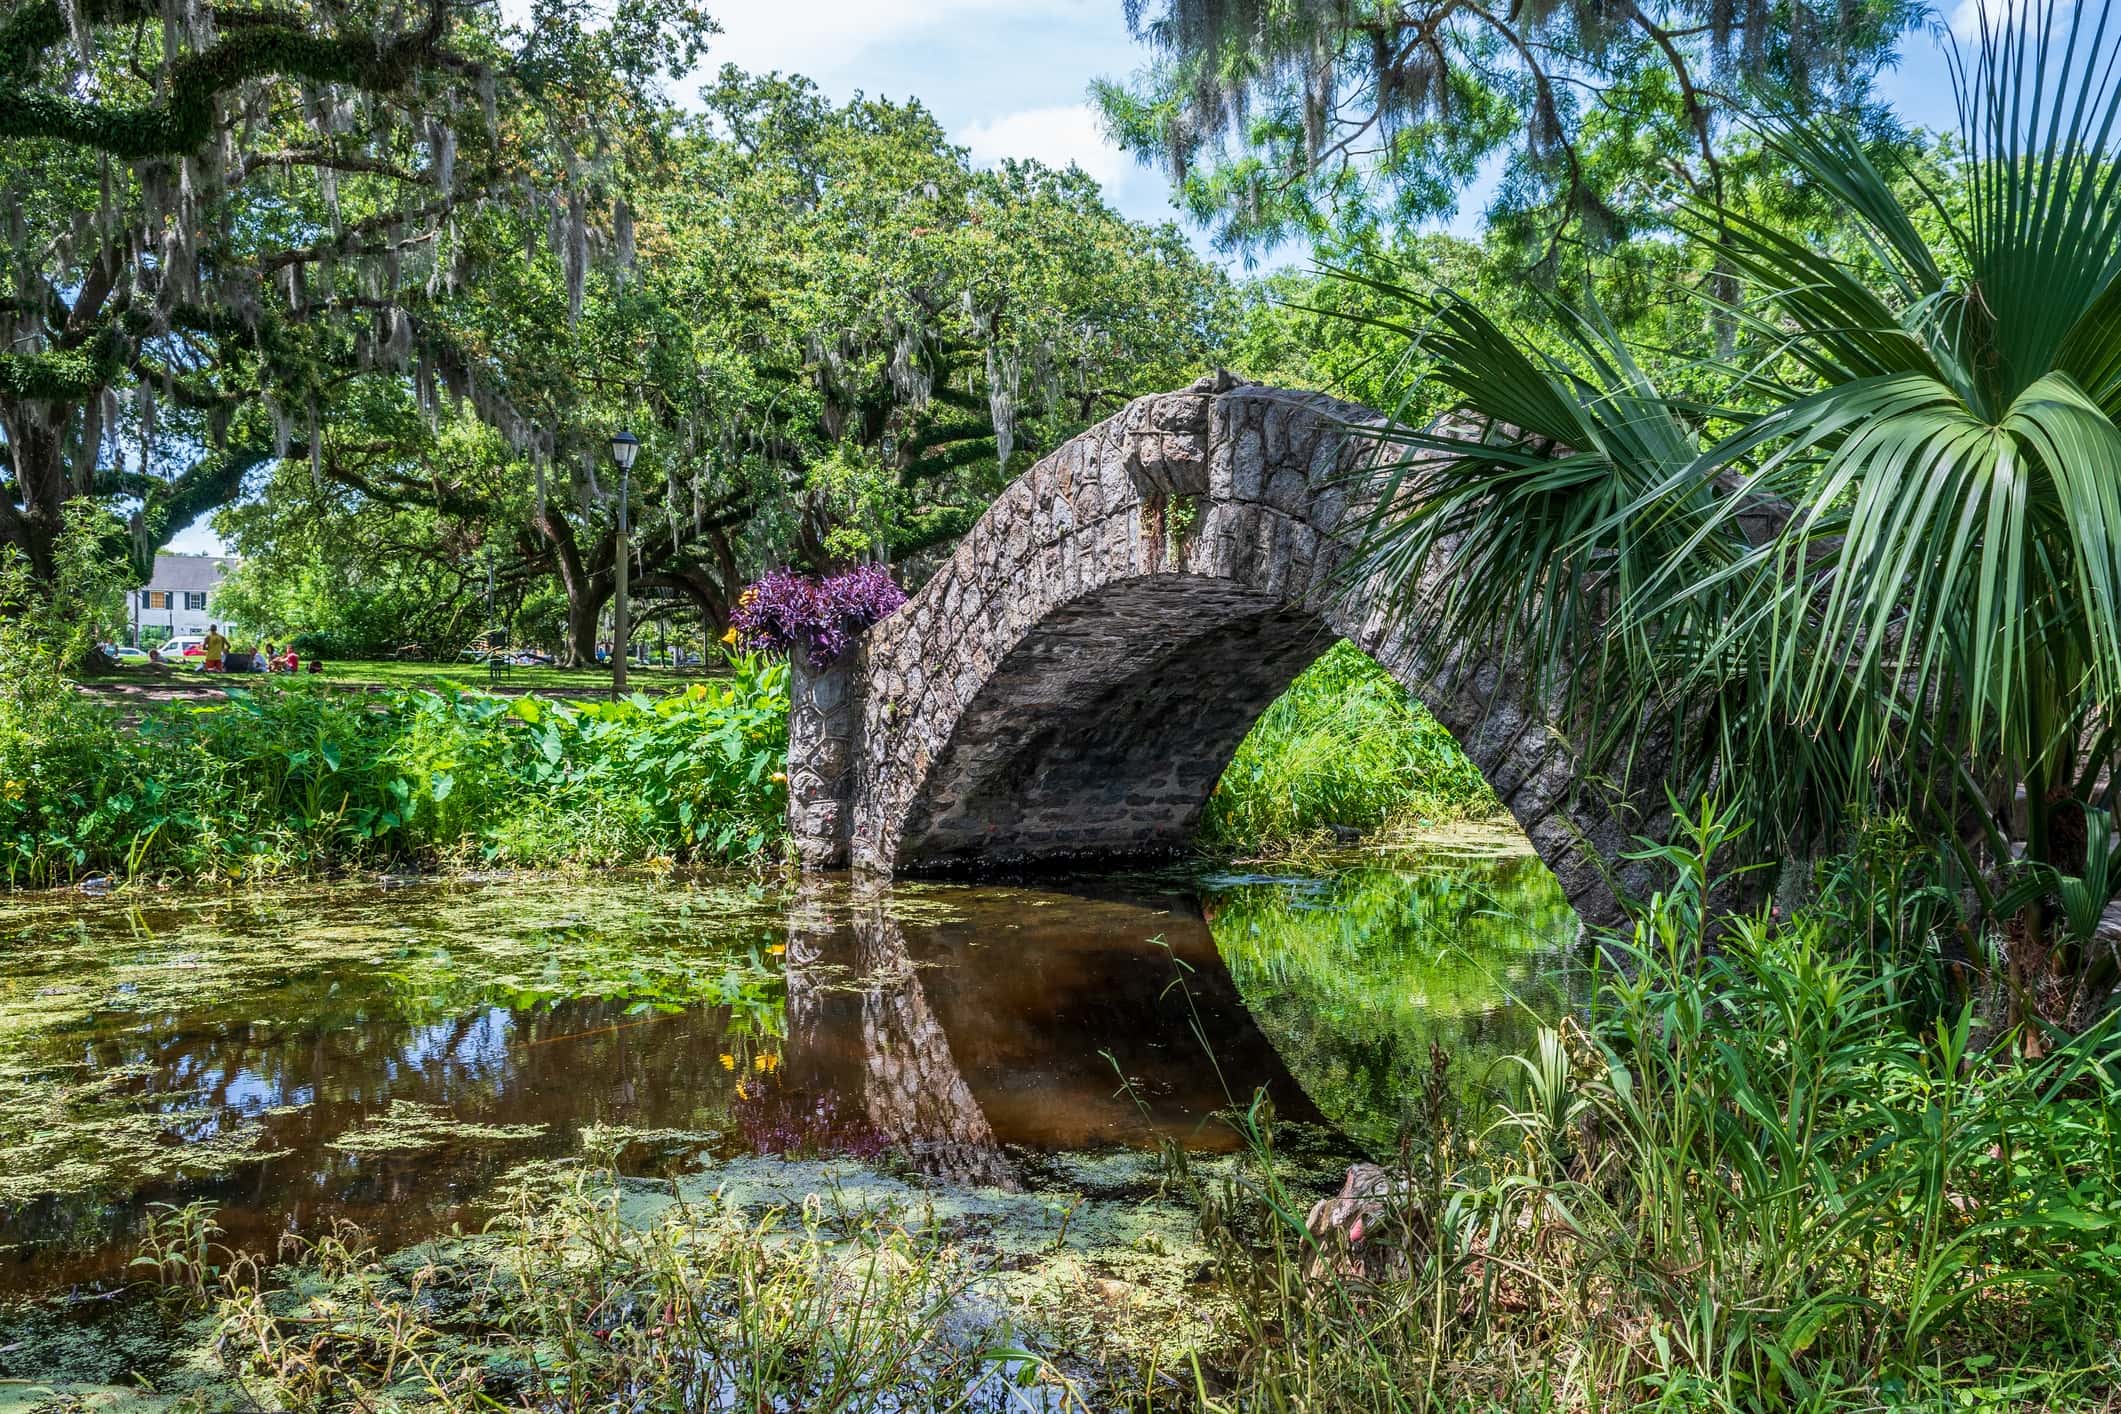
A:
(575, 1300)
(1764, 1174)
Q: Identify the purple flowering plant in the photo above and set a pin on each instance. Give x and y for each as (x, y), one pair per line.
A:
(790, 612)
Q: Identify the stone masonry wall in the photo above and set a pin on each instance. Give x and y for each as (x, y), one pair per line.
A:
(1073, 682)
(824, 713)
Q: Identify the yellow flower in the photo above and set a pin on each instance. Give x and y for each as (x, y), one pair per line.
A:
(758, 1063)
(777, 949)
(728, 1061)
(741, 1092)
(730, 638)
(780, 778)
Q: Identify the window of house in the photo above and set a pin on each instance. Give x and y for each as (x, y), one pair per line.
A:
(194, 600)
(156, 598)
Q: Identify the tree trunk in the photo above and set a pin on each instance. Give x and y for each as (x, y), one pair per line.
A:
(584, 610)
(586, 589)
(36, 447)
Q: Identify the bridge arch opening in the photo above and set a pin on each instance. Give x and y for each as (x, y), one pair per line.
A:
(1101, 735)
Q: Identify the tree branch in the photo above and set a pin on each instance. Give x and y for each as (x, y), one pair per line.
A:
(258, 44)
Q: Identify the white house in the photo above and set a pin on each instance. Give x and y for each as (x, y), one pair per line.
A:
(179, 600)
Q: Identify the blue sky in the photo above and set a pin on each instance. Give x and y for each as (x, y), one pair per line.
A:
(1010, 78)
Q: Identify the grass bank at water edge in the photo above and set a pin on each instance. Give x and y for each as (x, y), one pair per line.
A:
(289, 777)
(1345, 750)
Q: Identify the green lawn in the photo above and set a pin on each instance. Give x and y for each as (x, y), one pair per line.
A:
(188, 683)
(569, 682)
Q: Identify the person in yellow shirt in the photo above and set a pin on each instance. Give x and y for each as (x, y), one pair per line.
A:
(216, 644)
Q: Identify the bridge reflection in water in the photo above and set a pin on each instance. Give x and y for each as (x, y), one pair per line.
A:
(955, 1031)
(1067, 1027)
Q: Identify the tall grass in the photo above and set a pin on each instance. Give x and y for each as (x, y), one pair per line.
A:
(1345, 746)
(572, 1302)
(1759, 1179)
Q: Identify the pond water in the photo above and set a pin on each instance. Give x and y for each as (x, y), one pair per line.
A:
(383, 1053)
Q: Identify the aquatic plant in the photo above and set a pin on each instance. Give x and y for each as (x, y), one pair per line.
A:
(788, 612)
(570, 1297)
(1755, 1178)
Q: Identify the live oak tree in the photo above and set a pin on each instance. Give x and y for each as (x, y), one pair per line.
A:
(410, 536)
(219, 217)
(836, 338)
(985, 316)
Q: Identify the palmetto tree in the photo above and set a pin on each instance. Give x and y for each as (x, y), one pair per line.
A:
(1889, 571)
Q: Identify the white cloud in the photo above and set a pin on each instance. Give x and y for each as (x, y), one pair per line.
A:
(1054, 136)
(1965, 18)
(827, 39)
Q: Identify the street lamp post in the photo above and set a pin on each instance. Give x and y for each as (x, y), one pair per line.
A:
(624, 447)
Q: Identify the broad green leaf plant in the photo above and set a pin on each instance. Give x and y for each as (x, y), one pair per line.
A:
(1884, 570)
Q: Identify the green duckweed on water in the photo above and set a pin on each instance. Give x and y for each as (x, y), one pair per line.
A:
(88, 974)
(409, 1128)
(73, 1128)
(967, 1086)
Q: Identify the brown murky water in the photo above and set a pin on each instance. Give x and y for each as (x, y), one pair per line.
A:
(386, 1054)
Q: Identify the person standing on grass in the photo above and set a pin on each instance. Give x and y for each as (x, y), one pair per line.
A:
(215, 645)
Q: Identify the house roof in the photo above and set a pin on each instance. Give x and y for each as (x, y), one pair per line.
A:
(193, 572)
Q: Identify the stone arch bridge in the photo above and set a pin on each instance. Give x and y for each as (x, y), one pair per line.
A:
(1072, 682)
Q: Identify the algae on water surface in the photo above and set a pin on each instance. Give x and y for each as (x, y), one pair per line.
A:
(151, 1038)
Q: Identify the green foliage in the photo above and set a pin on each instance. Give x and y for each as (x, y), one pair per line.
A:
(296, 778)
(1345, 745)
(572, 1294)
(1878, 572)
(1754, 1181)
(50, 622)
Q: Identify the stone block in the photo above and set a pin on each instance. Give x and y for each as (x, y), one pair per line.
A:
(1329, 506)
(1274, 432)
(1275, 561)
(1302, 550)
(1178, 412)
(1288, 492)
(1248, 468)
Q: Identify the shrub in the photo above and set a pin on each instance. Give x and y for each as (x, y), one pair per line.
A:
(321, 643)
(787, 612)
(1345, 745)
(292, 777)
